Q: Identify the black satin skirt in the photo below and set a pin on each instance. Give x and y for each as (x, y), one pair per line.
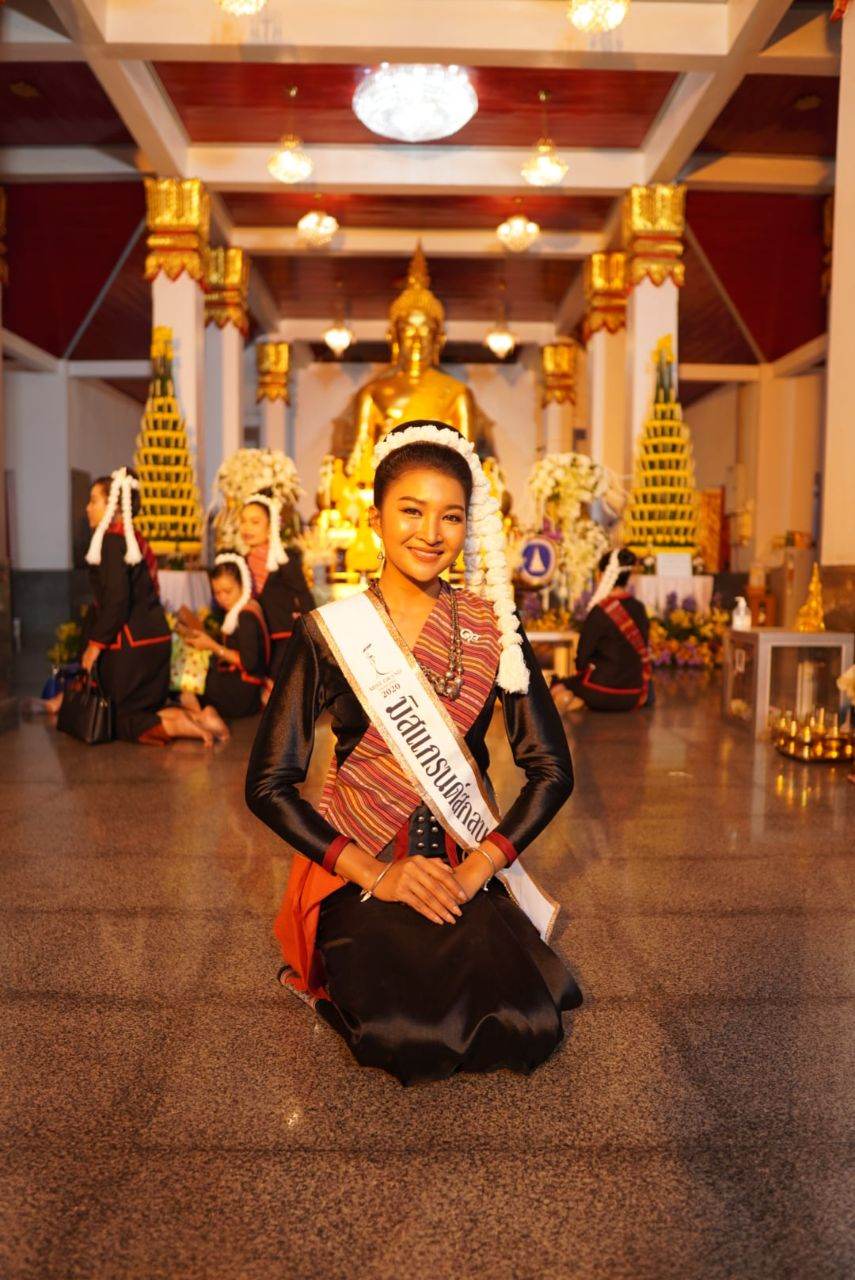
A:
(423, 1001)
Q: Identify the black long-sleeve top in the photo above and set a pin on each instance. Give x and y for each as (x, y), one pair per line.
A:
(286, 595)
(603, 647)
(311, 682)
(126, 605)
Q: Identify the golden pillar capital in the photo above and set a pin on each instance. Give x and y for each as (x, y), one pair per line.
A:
(273, 365)
(226, 288)
(606, 289)
(178, 215)
(559, 365)
(654, 222)
(4, 266)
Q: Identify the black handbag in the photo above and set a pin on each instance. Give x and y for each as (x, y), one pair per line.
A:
(86, 712)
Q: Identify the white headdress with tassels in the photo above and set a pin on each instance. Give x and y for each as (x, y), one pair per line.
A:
(484, 555)
(121, 484)
(276, 553)
(231, 619)
(611, 573)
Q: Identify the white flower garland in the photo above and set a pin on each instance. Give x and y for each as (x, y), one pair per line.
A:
(567, 481)
(484, 555)
(244, 472)
(231, 619)
(611, 573)
(276, 553)
(121, 484)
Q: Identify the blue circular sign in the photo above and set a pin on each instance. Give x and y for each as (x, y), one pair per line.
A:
(538, 561)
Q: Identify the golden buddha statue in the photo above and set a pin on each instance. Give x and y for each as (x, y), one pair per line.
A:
(412, 386)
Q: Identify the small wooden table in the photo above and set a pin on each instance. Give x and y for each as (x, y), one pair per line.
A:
(564, 644)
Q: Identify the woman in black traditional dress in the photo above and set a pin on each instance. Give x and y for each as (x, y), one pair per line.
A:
(386, 927)
(278, 581)
(237, 673)
(613, 658)
(126, 631)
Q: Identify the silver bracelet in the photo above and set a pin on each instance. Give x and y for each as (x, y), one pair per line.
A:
(493, 867)
(369, 893)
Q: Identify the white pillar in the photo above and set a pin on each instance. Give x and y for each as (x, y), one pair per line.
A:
(560, 362)
(837, 545)
(180, 305)
(223, 400)
(605, 365)
(178, 216)
(653, 225)
(273, 368)
(273, 424)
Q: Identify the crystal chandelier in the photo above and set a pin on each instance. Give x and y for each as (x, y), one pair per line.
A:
(316, 228)
(544, 168)
(242, 8)
(415, 102)
(339, 335)
(290, 162)
(499, 338)
(518, 233)
(592, 16)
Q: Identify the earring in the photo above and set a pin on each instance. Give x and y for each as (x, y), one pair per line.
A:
(381, 556)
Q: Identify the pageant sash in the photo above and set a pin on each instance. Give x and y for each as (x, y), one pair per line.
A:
(409, 716)
(614, 609)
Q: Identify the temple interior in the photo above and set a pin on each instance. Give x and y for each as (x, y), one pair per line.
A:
(610, 242)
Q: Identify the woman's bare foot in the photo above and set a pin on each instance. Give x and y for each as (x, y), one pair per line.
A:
(561, 696)
(575, 704)
(212, 720)
(41, 706)
(179, 723)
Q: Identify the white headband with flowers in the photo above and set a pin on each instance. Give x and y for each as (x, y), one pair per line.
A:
(121, 484)
(231, 619)
(484, 555)
(611, 573)
(276, 553)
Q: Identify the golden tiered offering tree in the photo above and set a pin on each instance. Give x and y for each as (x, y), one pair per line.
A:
(171, 513)
(662, 514)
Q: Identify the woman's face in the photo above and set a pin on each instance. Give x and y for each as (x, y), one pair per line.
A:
(96, 506)
(226, 591)
(255, 525)
(422, 522)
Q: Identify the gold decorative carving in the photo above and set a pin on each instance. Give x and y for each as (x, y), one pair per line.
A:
(273, 365)
(828, 241)
(654, 222)
(811, 616)
(226, 288)
(559, 363)
(4, 266)
(606, 289)
(178, 213)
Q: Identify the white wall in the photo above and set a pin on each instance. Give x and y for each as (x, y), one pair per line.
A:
(36, 421)
(103, 427)
(55, 424)
(509, 394)
(713, 423)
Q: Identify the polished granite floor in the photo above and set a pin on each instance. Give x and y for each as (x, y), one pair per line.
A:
(169, 1112)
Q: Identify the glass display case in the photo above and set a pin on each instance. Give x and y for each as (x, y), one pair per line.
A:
(770, 670)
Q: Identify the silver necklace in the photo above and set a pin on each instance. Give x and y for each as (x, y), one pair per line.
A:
(450, 683)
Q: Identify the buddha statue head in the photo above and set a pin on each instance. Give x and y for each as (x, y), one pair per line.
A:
(416, 321)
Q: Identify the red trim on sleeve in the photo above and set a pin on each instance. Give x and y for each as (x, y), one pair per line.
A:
(332, 852)
(503, 843)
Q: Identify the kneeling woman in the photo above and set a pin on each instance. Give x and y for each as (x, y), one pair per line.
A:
(237, 674)
(613, 658)
(278, 581)
(385, 926)
(126, 629)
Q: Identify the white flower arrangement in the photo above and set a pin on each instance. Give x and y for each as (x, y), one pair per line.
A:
(563, 485)
(244, 473)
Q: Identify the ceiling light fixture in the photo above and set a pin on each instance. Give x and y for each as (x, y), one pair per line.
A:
(415, 102)
(499, 338)
(544, 168)
(290, 163)
(518, 233)
(339, 335)
(242, 8)
(316, 229)
(594, 16)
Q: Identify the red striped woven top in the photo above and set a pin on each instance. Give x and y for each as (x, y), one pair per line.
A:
(369, 798)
